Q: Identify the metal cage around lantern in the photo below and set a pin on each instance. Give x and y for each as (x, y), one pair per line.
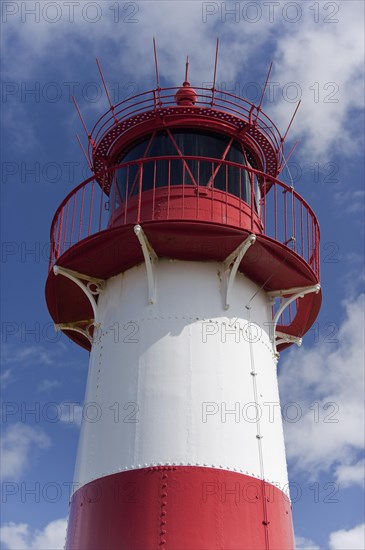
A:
(196, 206)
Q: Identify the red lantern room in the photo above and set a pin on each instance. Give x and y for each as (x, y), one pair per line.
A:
(185, 175)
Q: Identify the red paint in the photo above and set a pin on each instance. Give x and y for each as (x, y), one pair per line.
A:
(179, 508)
(149, 111)
(284, 215)
(108, 253)
(189, 203)
(186, 95)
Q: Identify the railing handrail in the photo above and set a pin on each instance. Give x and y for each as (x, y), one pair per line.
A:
(99, 177)
(156, 99)
(311, 241)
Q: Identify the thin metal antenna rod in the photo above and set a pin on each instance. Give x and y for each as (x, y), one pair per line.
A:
(85, 155)
(285, 163)
(82, 121)
(291, 121)
(288, 128)
(291, 152)
(156, 63)
(264, 91)
(106, 90)
(215, 70)
(187, 69)
(156, 67)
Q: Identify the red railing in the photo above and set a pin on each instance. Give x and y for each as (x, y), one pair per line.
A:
(212, 100)
(281, 214)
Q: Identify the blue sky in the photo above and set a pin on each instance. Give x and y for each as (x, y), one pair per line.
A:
(48, 52)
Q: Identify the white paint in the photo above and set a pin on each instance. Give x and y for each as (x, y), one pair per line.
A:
(169, 376)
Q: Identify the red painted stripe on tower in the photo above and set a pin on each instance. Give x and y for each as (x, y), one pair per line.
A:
(180, 508)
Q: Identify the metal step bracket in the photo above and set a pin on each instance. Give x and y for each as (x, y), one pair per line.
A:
(150, 258)
(92, 288)
(78, 327)
(283, 338)
(230, 267)
(293, 294)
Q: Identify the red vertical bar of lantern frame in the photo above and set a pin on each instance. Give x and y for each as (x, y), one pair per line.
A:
(318, 251)
(51, 249)
(168, 187)
(154, 190)
(285, 219)
(251, 176)
(198, 191)
(275, 212)
(226, 217)
(294, 221)
(91, 208)
(81, 212)
(60, 244)
(58, 235)
(73, 217)
(263, 213)
(212, 193)
(240, 206)
(66, 227)
(101, 201)
(301, 231)
(126, 195)
(313, 245)
(308, 238)
(183, 192)
(140, 167)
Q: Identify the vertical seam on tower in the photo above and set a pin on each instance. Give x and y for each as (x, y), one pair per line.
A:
(163, 511)
(136, 454)
(265, 521)
(190, 427)
(93, 443)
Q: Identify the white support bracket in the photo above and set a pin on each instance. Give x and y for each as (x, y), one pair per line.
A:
(150, 258)
(293, 294)
(92, 288)
(76, 327)
(231, 264)
(283, 338)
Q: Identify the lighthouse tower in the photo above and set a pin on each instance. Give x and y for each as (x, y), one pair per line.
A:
(184, 266)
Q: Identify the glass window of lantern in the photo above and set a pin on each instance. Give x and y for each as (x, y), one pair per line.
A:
(179, 170)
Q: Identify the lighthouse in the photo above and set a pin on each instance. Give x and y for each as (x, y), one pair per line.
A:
(184, 266)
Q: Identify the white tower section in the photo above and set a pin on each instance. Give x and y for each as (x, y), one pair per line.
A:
(183, 381)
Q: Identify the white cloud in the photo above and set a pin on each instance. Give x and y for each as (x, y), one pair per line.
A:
(354, 278)
(351, 201)
(305, 52)
(302, 543)
(71, 413)
(35, 355)
(20, 536)
(327, 382)
(27, 355)
(327, 62)
(5, 378)
(18, 444)
(351, 539)
(165, 20)
(351, 474)
(46, 385)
